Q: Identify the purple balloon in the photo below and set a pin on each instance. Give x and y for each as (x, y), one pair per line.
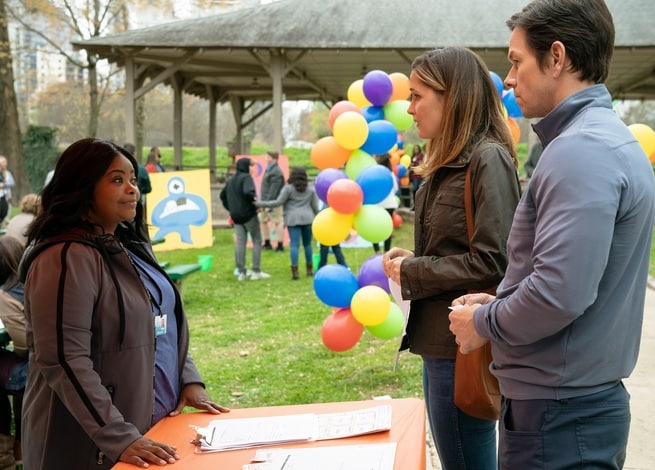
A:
(324, 179)
(372, 274)
(377, 87)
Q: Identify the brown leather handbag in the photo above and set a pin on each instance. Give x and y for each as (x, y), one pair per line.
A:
(476, 390)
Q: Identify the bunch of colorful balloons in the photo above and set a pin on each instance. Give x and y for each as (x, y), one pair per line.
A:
(351, 182)
(512, 109)
(358, 303)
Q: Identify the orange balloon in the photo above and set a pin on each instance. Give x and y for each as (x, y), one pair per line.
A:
(327, 153)
(339, 108)
(404, 181)
(400, 84)
(514, 129)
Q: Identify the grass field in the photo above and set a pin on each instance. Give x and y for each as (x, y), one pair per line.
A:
(258, 343)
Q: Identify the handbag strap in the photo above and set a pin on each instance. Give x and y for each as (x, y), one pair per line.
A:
(468, 207)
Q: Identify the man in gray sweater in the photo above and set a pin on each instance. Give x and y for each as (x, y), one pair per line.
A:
(566, 323)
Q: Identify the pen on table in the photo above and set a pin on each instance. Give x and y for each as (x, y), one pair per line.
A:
(284, 464)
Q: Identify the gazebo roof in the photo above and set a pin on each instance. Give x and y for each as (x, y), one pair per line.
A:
(327, 44)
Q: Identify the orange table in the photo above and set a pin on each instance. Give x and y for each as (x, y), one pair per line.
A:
(407, 430)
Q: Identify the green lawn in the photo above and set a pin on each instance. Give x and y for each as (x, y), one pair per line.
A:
(258, 343)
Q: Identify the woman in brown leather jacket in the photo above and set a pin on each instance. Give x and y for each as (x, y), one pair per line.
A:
(455, 107)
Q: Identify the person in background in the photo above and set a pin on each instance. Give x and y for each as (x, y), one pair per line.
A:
(106, 328)
(456, 107)
(30, 205)
(415, 178)
(153, 161)
(300, 204)
(6, 183)
(324, 250)
(272, 184)
(13, 362)
(389, 203)
(533, 158)
(566, 323)
(238, 197)
(143, 178)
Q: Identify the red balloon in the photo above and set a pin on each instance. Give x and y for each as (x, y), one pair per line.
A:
(397, 220)
(345, 196)
(340, 331)
(339, 108)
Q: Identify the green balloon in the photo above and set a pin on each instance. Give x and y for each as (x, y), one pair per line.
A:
(357, 161)
(392, 327)
(396, 113)
(373, 223)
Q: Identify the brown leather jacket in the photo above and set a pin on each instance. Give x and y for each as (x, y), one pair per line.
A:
(443, 268)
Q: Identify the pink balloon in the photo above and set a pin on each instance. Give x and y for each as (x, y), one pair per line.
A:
(339, 108)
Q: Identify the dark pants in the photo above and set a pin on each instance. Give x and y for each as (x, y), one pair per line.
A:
(583, 432)
(338, 254)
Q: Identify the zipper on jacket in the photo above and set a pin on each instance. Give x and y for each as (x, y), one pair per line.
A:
(101, 457)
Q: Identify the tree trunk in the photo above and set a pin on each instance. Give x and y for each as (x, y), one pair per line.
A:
(94, 102)
(10, 138)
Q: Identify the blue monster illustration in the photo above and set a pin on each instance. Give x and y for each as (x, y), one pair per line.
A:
(178, 211)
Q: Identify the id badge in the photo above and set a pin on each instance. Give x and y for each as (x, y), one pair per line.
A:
(160, 324)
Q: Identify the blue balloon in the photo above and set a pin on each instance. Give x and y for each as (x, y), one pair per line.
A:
(372, 274)
(376, 182)
(382, 136)
(509, 100)
(324, 179)
(402, 170)
(335, 285)
(373, 113)
(500, 86)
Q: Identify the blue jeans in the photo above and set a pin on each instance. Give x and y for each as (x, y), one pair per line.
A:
(242, 230)
(462, 441)
(583, 432)
(296, 232)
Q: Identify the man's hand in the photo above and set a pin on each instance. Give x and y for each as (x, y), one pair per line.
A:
(462, 326)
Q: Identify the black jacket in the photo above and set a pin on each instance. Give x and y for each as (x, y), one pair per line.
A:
(238, 196)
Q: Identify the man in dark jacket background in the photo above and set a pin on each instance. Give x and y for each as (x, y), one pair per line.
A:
(272, 184)
(238, 198)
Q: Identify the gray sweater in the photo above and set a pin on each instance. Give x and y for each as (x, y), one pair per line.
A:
(568, 316)
(299, 208)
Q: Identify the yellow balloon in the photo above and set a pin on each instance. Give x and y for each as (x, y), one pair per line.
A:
(645, 136)
(406, 160)
(370, 305)
(330, 227)
(356, 94)
(350, 130)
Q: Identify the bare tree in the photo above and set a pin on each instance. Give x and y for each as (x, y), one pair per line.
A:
(10, 137)
(69, 19)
